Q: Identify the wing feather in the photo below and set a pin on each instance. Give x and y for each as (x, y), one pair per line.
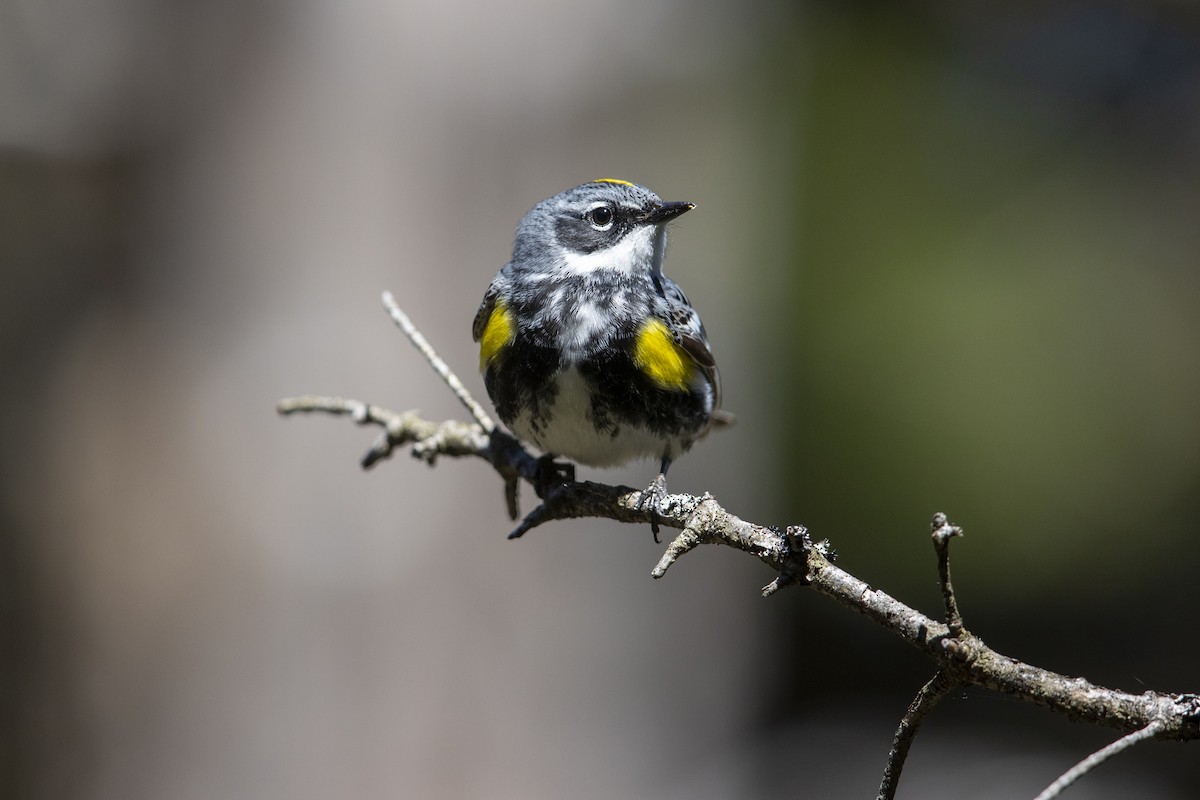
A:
(689, 333)
(485, 311)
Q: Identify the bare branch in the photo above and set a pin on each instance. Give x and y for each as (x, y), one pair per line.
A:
(962, 659)
(943, 532)
(440, 367)
(929, 696)
(1096, 759)
(452, 438)
(702, 520)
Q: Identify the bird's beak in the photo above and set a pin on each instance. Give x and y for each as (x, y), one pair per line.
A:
(667, 211)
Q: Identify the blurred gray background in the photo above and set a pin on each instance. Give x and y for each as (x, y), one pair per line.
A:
(947, 256)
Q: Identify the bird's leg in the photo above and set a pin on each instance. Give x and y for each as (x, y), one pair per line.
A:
(551, 472)
(652, 498)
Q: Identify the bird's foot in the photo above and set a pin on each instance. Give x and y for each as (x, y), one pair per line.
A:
(551, 472)
(651, 500)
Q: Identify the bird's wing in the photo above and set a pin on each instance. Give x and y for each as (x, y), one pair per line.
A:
(689, 333)
(485, 310)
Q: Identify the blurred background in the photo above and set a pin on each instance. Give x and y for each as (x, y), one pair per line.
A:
(947, 256)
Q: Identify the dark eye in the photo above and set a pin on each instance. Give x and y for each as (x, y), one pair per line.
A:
(601, 217)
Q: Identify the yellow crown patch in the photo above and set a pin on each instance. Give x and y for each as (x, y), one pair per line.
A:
(617, 181)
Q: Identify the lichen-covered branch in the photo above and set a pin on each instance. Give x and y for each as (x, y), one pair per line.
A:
(702, 520)
(961, 658)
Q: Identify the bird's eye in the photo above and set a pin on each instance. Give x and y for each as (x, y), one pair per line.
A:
(601, 217)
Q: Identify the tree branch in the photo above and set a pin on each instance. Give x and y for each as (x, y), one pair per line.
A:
(702, 520)
(931, 693)
(962, 659)
(943, 532)
(1096, 759)
(439, 366)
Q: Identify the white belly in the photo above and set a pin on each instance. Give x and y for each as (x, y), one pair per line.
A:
(572, 434)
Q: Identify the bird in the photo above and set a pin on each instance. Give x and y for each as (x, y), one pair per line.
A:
(587, 350)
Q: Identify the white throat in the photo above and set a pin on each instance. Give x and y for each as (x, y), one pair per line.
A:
(638, 250)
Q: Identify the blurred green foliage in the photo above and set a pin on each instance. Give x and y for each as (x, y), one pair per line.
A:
(989, 307)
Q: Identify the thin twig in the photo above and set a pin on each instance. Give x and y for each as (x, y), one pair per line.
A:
(431, 439)
(405, 324)
(932, 692)
(1097, 758)
(943, 532)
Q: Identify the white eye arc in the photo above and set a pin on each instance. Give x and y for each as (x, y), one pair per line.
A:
(601, 216)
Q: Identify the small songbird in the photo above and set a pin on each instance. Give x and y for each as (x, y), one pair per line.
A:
(587, 349)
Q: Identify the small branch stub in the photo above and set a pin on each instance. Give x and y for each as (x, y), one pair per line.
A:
(943, 532)
(798, 545)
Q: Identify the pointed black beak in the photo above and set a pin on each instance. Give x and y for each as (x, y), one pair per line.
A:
(667, 211)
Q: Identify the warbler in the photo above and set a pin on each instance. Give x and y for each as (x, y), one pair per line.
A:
(588, 351)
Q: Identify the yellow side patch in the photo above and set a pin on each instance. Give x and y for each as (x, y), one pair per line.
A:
(663, 361)
(612, 180)
(500, 331)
